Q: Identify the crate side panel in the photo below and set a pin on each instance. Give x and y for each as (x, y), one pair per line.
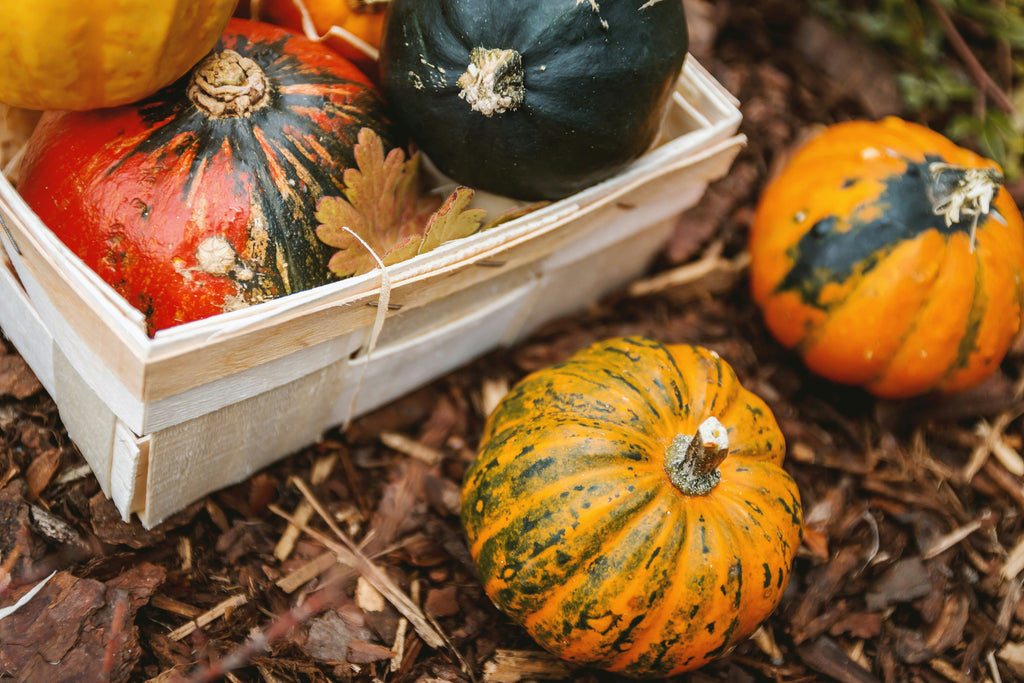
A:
(245, 384)
(24, 328)
(398, 368)
(128, 469)
(577, 284)
(192, 459)
(407, 323)
(89, 421)
(93, 371)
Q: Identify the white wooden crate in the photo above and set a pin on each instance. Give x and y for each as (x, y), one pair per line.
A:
(163, 421)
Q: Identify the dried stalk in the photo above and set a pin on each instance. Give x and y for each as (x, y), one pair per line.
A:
(974, 67)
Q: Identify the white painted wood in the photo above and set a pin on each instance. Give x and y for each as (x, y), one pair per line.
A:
(397, 368)
(189, 460)
(88, 419)
(128, 469)
(23, 326)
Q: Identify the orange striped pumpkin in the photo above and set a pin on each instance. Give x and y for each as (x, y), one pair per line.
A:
(628, 507)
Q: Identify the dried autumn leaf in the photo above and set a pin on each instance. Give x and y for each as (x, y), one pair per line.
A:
(384, 215)
(452, 221)
(382, 205)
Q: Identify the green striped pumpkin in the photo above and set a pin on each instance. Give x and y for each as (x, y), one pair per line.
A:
(629, 509)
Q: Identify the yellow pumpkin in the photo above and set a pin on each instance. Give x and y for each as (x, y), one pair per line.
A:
(64, 54)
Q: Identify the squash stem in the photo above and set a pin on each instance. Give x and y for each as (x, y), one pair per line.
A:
(493, 81)
(692, 461)
(957, 192)
(226, 84)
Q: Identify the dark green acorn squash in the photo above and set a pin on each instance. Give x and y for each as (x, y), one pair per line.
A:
(535, 99)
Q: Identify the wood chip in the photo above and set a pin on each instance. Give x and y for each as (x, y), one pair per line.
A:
(362, 652)
(321, 470)
(764, 638)
(823, 583)
(1014, 562)
(711, 272)
(40, 472)
(995, 439)
(948, 629)
(367, 597)
(286, 543)
(904, 581)
(947, 671)
(512, 666)
(55, 528)
(1013, 654)
(954, 537)
(399, 646)
(492, 390)
(182, 609)
(825, 656)
(442, 602)
(73, 474)
(991, 436)
(1007, 610)
(222, 609)
(349, 553)
(17, 378)
(412, 448)
(328, 636)
(307, 572)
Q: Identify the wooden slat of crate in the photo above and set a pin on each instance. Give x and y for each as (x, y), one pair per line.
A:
(405, 364)
(23, 326)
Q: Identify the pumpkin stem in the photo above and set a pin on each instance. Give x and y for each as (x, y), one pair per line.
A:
(493, 81)
(692, 461)
(958, 192)
(227, 84)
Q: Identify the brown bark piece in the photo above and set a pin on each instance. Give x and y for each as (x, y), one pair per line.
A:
(78, 628)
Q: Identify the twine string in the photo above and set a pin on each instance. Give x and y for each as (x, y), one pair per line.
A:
(383, 299)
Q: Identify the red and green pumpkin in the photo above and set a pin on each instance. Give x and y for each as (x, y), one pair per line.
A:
(202, 198)
(628, 507)
(889, 258)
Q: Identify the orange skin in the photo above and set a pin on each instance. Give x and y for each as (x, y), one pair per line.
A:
(358, 25)
(925, 313)
(86, 55)
(580, 535)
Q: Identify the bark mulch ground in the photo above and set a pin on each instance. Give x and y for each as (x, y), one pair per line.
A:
(910, 568)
